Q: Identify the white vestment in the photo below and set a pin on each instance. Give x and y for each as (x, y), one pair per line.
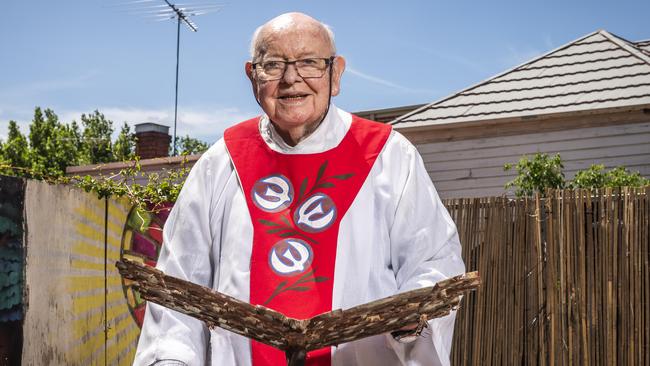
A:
(396, 236)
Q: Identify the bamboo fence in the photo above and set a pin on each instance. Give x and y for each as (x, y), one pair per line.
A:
(565, 279)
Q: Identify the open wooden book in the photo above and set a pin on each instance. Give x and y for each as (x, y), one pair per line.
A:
(296, 337)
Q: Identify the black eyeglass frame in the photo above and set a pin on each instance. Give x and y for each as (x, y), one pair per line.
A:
(329, 61)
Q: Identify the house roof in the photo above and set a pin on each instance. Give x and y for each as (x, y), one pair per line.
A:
(644, 46)
(597, 71)
(387, 114)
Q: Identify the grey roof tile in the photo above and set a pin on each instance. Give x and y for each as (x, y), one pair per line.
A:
(644, 46)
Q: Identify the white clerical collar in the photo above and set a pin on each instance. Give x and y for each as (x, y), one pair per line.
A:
(327, 136)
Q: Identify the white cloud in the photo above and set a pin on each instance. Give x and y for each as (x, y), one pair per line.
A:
(384, 82)
(518, 55)
(471, 64)
(47, 86)
(204, 123)
(4, 128)
(548, 42)
(8, 113)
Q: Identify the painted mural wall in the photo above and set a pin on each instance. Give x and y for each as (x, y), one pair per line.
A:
(11, 269)
(79, 311)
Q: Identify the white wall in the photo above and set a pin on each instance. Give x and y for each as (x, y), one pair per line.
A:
(474, 168)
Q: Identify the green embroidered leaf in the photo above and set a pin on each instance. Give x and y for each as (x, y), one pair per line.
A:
(343, 176)
(287, 234)
(313, 279)
(306, 237)
(276, 292)
(285, 221)
(325, 185)
(276, 230)
(321, 171)
(268, 223)
(303, 188)
(299, 288)
(306, 277)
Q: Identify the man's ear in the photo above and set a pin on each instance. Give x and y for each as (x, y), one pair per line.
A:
(248, 68)
(337, 71)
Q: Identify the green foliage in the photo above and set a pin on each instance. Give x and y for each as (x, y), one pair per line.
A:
(189, 146)
(49, 140)
(594, 177)
(14, 152)
(536, 174)
(542, 172)
(124, 146)
(52, 146)
(621, 177)
(597, 177)
(159, 188)
(96, 137)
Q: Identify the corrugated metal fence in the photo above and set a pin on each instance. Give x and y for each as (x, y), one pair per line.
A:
(565, 279)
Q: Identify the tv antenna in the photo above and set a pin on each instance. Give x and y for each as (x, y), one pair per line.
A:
(155, 10)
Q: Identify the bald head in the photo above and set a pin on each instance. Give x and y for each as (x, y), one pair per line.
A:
(290, 22)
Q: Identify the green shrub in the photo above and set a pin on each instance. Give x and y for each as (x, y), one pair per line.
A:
(536, 174)
(541, 171)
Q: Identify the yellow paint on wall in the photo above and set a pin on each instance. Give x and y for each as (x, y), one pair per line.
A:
(98, 219)
(93, 349)
(85, 283)
(92, 250)
(118, 211)
(90, 209)
(92, 234)
(114, 348)
(77, 264)
(87, 292)
(128, 340)
(127, 360)
(84, 304)
(114, 311)
(121, 325)
(114, 245)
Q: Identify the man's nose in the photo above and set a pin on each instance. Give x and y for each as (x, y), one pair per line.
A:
(290, 74)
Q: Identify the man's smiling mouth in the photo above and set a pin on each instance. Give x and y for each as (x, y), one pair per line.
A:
(293, 97)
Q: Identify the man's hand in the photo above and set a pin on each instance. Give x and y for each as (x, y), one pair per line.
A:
(411, 332)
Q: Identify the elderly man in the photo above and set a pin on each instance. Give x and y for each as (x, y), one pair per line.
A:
(304, 210)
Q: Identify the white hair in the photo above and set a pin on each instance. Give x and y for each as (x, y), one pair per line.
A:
(254, 47)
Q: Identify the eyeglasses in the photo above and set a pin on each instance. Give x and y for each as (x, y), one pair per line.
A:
(306, 68)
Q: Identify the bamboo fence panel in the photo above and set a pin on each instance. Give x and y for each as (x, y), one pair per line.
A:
(566, 279)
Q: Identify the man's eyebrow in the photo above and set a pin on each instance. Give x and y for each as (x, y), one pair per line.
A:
(277, 57)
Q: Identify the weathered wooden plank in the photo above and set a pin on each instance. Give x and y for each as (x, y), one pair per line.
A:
(595, 153)
(535, 138)
(559, 144)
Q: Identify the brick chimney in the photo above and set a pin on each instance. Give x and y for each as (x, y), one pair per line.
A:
(152, 140)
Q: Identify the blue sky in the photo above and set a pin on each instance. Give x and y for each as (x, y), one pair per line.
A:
(75, 56)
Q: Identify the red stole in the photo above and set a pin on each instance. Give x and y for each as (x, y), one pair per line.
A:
(296, 203)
